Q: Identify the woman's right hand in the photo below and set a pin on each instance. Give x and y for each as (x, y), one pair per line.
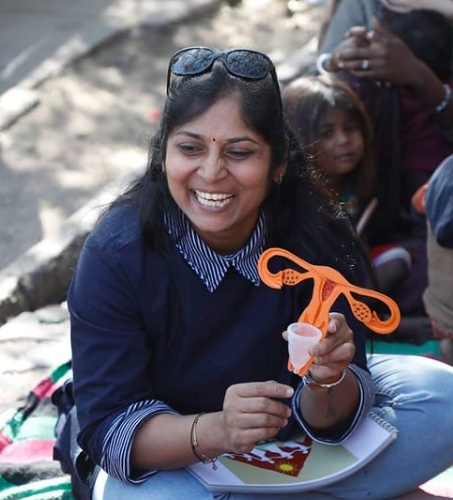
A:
(253, 412)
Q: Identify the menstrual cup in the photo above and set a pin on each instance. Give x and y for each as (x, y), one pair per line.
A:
(300, 337)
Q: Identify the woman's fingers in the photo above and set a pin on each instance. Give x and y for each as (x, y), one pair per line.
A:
(257, 404)
(254, 411)
(268, 389)
(341, 356)
(337, 349)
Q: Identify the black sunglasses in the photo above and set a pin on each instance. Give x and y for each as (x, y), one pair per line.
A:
(243, 63)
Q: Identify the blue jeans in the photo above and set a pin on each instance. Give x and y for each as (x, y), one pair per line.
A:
(413, 393)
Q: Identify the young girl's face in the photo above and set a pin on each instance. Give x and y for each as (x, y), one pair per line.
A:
(340, 146)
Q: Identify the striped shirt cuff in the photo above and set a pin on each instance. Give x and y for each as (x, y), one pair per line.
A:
(117, 445)
(366, 389)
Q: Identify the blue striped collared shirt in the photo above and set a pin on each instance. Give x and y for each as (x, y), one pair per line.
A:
(210, 266)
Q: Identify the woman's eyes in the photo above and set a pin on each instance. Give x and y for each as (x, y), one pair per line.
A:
(191, 149)
(238, 154)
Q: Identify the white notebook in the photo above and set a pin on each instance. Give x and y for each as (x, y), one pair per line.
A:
(297, 465)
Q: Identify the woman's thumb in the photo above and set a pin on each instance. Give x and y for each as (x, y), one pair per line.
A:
(379, 27)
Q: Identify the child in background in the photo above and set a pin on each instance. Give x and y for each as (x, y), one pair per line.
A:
(333, 127)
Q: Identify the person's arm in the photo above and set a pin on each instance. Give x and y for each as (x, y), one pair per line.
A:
(323, 407)
(339, 433)
(330, 414)
(386, 58)
(112, 396)
(256, 411)
(326, 20)
(252, 412)
(348, 13)
(445, 7)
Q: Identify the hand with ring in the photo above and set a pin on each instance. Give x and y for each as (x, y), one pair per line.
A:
(335, 352)
(377, 54)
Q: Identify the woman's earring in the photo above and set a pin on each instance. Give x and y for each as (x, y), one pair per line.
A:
(279, 180)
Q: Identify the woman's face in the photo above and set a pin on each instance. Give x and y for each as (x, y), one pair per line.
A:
(340, 146)
(218, 171)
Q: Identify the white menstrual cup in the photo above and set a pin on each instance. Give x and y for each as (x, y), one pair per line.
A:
(300, 337)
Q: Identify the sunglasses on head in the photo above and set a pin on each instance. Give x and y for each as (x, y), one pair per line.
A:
(243, 63)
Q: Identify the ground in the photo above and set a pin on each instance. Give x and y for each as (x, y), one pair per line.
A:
(94, 121)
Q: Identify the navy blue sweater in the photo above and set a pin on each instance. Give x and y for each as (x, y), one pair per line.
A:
(147, 333)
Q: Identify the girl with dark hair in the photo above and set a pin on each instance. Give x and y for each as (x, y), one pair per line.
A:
(178, 353)
(333, 127)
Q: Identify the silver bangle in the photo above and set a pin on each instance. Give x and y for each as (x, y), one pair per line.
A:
(322, 58)
(445, 100)
(311, 383)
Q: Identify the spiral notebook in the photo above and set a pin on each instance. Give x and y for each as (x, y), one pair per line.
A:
(297, 465)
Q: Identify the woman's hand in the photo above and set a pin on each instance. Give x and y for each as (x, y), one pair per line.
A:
(335, 352)
(329, 407)
(253, 412)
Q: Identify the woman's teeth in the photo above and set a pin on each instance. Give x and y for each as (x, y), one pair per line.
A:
(217, 200)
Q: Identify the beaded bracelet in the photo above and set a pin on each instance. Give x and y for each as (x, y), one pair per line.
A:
(313, 384)
(196, 447)
(445, 100)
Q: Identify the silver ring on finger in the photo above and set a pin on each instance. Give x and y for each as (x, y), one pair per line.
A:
(365, 64)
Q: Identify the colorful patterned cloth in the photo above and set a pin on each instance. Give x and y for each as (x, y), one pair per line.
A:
(27, 468)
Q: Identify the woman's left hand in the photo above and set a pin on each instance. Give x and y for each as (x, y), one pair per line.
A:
(331, 358)
(335, 352)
